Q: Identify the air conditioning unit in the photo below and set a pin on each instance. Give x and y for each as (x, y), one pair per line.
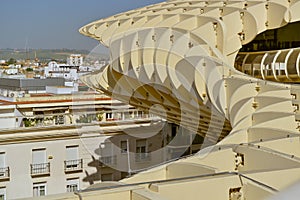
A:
(11, 94)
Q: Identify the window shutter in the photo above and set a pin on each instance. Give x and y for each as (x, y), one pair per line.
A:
(38, 156)
(2, 160)
(72, 153)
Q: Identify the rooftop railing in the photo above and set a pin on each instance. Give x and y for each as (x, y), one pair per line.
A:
(80, 118)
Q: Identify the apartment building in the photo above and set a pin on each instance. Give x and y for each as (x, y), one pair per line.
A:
(58, 143)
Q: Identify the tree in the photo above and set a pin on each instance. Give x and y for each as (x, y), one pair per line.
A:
(29, 69)
(11, 61)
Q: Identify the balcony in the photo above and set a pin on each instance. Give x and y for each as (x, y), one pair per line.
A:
(4, 173)
(42, 169)
(72, 166)
(142, 157)
(108, 160)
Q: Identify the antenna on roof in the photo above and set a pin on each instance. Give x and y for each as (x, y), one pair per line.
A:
(26, 49)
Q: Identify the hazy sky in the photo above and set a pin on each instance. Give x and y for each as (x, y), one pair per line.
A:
(54, 24)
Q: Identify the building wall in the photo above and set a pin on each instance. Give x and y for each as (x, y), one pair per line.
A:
(125, 124)
(7, 117)
(18, 156)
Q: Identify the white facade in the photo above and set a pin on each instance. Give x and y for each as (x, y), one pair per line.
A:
(61, 70)
(11, 71)
(21, 182)
(50, 145)
(54, 160)
(8, 116)
(75, 60)
(59, 90)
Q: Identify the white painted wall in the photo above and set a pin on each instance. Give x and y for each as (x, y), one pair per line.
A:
(5, 120)
(19, 158)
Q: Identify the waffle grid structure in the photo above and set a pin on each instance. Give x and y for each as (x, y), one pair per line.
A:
(177, 60)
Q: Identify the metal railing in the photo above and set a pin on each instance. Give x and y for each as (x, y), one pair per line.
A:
(73, 165)
(108, 160)
(80, 118)
(142, 157)
(40, 169)
(4, 173)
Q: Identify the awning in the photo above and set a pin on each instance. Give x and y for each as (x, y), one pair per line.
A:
(117, 107)
(108, 107)
(50, 108)
(85, 107)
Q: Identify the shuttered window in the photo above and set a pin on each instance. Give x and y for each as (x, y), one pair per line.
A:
(39, 156)
(72, 153)
(2, 160)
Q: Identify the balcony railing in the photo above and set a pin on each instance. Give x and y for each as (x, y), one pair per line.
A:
(108, 160)
(73, 165)
(142, 157)
(70, 119)
(42, 169)
(4, 173)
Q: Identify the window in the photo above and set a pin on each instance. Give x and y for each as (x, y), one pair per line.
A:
(141, 146)
(3, 168)
(2, 193)
(2, 160)
(72, 152)
(124, 146)
(72, 185)
(39, 162)
(140, 114)
(39, 189)
(59, 119)
(109, 115)
(72, 162)
(38, 156)
(141, 151)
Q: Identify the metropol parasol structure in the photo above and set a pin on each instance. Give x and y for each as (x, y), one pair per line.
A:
(180, 59)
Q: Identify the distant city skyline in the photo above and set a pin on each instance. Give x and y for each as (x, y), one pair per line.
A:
(54, 24)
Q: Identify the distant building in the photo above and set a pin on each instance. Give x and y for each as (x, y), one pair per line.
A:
(12, 88)
(75, 60)
(11, 71)
(61, 70)
(69, 71)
